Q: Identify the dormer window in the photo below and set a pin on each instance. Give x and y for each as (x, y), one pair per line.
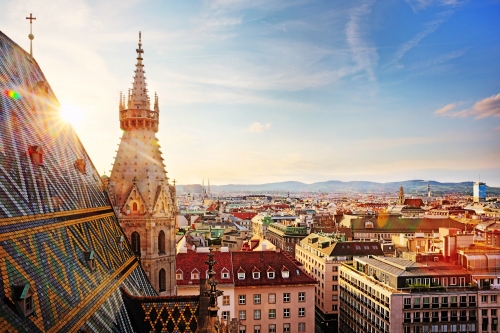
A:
(241, 276)
(36, 155)
(23, 297)
(179, 275)
(89, 258)
(271, 274)
(369, 225)
(225, 273)
(285, 273)
(120, 240)
(195, 275)
(81, 165)
(256, 275)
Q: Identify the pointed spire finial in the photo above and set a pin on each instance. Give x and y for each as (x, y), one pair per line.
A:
(30, 36)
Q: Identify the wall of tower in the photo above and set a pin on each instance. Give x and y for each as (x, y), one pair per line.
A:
(152, 257)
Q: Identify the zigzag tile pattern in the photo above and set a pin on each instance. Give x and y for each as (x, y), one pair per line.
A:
(52, 212)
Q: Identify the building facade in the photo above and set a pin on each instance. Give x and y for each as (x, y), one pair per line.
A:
(321, 256)
(138, 186)
(272, 293)
(386, 295)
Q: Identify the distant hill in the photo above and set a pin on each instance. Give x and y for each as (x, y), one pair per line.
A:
(415, 187)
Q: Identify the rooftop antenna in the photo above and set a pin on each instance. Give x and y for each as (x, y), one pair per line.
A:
(30, 36)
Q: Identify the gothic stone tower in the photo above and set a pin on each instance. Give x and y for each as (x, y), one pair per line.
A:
(138, 186)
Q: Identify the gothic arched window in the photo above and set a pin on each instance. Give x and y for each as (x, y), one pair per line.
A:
(136, 242)
(162, 280)
(161, 242)
(134, 206)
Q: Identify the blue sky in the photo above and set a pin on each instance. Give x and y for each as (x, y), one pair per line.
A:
(260, 91)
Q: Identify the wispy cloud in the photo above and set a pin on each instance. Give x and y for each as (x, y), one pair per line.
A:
(417, 5)
(488, 107)
(258, 127)
(365, 56)
(429, 28)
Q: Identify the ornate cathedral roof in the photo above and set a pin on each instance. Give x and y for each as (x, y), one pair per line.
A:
(63, 257)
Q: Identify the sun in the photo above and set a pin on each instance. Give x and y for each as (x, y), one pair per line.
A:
(71, 114)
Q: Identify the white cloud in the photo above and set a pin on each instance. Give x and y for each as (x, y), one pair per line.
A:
(365, 56)
(488, 107)
(258, 127)
(430, 27)
(417, 5)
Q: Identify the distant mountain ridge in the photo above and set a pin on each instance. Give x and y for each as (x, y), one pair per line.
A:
(414, 187)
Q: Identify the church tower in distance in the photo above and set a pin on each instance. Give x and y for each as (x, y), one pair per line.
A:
(138, 186)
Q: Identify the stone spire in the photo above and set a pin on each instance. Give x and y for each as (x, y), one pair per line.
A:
(139, 190)
(138, 113)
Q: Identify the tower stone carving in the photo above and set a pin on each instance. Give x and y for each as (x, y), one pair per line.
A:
(138, 186)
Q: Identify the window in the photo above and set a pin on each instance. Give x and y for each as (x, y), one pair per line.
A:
(453, 281)
(256, 329)
(302, 296)
(226, 315)
(136, 242)
(161, 242)
(241, 276)
(272, 313)
(285, 274)
(270, 275)
(272, 328)
(195, 275)
(484, 298)
(335, 297)
(225, 300)
(286, 328)
(256, 299)
(178, 275)
(286, 313)
(302, 312)
(302, 327)
(242, 329)
(286, 297)
(335, 278)
(335, 287)
(256, 314)
(225, 274)
(256, 275)
(162, 278)
(242, 299)
(493, 298)
(271, 298)
(242, 314)
(334, 307)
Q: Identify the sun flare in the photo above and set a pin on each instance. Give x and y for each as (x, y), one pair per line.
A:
(71, 114)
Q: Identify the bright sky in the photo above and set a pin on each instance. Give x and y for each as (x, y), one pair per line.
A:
(256, 91)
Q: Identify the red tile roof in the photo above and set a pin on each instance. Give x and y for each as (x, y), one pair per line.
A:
(262, 261)
(188, 262)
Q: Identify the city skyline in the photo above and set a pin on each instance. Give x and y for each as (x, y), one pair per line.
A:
(256, 92)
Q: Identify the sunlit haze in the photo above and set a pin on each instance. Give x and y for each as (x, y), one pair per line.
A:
(254, 91)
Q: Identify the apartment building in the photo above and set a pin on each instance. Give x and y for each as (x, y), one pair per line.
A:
(322, 254)
(273, 295)
(394, 295)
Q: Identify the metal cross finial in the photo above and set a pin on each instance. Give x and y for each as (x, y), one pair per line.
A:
(31, 18)
(30, 36)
